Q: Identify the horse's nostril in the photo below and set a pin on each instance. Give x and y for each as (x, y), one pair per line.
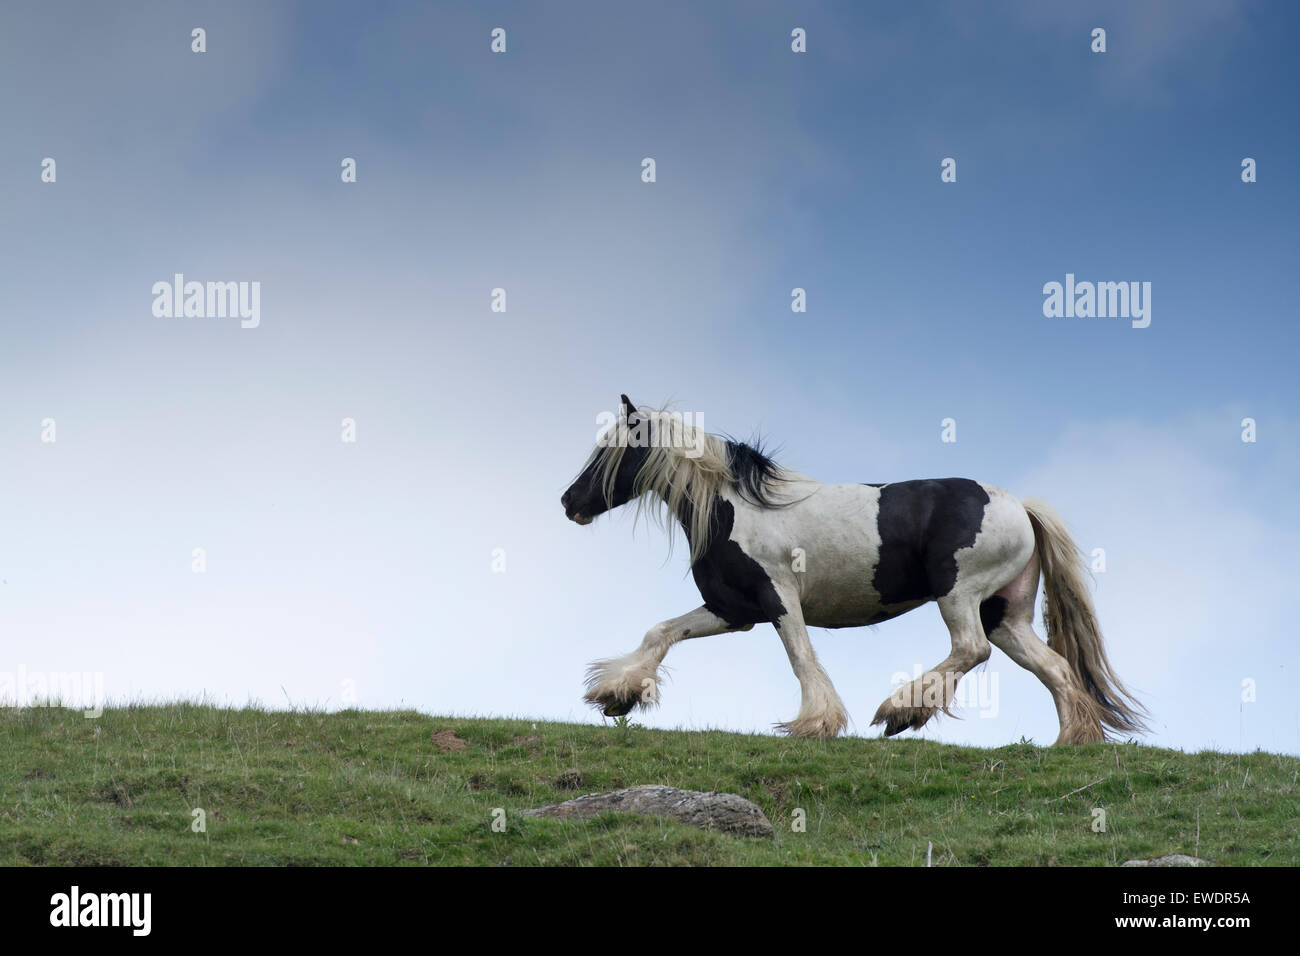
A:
(564, 499)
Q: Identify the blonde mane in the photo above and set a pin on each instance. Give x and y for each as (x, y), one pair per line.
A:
(685, 466)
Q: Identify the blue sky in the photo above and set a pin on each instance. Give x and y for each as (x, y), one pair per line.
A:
(368, 565)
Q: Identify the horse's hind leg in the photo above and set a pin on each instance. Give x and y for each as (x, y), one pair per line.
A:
(912, 704)
(1014, 634)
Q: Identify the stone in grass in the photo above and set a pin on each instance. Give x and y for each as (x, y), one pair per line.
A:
(708, 811)
(1174, 859)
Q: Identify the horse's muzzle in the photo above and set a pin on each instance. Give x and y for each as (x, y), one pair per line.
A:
(572, 515)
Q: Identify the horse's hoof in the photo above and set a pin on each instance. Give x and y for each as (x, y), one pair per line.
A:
(618, 708)
(898, 719)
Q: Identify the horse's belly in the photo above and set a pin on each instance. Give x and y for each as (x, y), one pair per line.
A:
(844, 596)
(853, 612)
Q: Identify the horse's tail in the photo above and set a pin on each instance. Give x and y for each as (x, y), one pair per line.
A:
(1071, 623)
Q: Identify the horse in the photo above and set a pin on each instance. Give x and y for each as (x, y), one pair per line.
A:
(770, 545)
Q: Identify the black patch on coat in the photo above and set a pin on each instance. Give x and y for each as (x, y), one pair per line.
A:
(991, 613)
(734, 586)
(922, 525)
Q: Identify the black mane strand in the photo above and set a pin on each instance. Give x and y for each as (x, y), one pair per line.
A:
(754, 473)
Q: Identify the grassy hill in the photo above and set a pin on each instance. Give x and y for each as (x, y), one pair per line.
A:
(363, 787)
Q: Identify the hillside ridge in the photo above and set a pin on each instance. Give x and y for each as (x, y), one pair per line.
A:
(200, 785)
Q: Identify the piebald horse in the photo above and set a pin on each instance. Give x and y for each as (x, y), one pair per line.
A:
(768, 545)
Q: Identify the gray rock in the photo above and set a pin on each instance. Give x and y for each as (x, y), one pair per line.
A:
(1175, 859)
(708, 811)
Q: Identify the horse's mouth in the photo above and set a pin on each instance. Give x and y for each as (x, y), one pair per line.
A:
(579, 519)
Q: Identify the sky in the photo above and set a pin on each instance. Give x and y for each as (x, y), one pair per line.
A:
(428, 563)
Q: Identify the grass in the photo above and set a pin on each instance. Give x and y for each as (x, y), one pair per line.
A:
(394, 787)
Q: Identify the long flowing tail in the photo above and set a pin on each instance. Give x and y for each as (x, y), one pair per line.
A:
(1071, 622)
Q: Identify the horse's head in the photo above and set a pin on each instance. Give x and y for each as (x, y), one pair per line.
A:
(609, 478)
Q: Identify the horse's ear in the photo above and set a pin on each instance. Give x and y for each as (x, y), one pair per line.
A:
(628, 408)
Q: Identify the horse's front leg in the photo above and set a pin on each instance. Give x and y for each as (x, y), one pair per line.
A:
(821, 712)
(617, 685)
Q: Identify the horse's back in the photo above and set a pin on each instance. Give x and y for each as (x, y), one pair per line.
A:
(861, 554)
